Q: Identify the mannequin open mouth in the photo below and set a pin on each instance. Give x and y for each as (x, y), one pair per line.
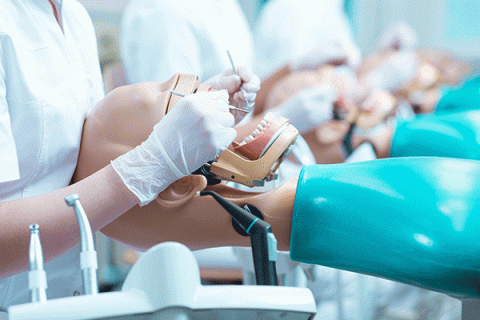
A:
(261, 139)
(256, 159)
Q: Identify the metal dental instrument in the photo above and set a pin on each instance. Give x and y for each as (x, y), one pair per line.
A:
(250, 106)
(88, 256)
(178, 93)
(181, 94)
(37, 278)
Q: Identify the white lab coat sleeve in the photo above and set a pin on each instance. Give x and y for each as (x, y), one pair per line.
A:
(158, 41)
(8, 153)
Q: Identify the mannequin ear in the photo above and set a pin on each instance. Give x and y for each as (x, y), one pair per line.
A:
(181, 191)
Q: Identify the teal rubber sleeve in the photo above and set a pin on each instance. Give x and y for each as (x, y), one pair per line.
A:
(454, 135)
(456, 100)
(413, 220)
(460, 98)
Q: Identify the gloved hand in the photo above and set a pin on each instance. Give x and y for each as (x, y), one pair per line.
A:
(396, 72)
(399, 36)
(242, 88)
(331, 52)
(193, 133)
(308, 108)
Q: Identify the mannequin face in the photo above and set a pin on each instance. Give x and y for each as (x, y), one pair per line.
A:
(123, 120)
(326, 140)
(452, 70)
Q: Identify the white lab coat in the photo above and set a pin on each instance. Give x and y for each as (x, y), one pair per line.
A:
(162, 37)
(287, 30)
(49, 81)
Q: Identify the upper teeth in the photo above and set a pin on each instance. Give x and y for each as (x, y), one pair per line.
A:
(263, 124)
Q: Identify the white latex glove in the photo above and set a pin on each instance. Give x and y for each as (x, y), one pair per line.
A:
(399, 36)
(193, 133)
(242, 88)
(331, 52)
(308, 108)
(394, 73)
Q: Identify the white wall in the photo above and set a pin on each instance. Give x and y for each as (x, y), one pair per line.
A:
(443, 24)
(106, 16)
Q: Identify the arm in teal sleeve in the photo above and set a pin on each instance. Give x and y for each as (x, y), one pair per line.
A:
(454, 135)
(413, 220)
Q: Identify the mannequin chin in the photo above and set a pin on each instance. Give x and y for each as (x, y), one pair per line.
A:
(123, 120)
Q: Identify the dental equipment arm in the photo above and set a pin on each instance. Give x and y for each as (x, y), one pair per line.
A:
(264, 243)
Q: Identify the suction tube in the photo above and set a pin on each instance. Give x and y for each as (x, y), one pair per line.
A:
(264, 243)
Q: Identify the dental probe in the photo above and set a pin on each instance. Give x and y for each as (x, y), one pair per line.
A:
(264, 243)
(37, 278)
(88, 256)
(181, 94)
(250, 106)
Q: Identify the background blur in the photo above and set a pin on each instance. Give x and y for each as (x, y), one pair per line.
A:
(452, 25)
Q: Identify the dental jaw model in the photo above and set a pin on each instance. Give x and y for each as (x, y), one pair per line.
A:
(259, 155)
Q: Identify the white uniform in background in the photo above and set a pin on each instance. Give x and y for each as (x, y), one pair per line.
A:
(290, 30)
(162, 37)
(49, 81)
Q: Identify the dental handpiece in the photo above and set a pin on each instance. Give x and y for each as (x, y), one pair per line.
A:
(37, 278)
(249, 105)
(88, 256)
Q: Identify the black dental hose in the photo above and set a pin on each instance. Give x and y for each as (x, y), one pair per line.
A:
(264, 244)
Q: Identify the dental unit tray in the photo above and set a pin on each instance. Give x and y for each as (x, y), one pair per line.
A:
(234, 165)
(165, 284)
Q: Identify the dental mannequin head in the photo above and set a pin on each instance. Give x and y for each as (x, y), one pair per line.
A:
(433, 70)
(451, 69)
(326, 146)
(123, 120)
(438, 69)
(326, 140)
